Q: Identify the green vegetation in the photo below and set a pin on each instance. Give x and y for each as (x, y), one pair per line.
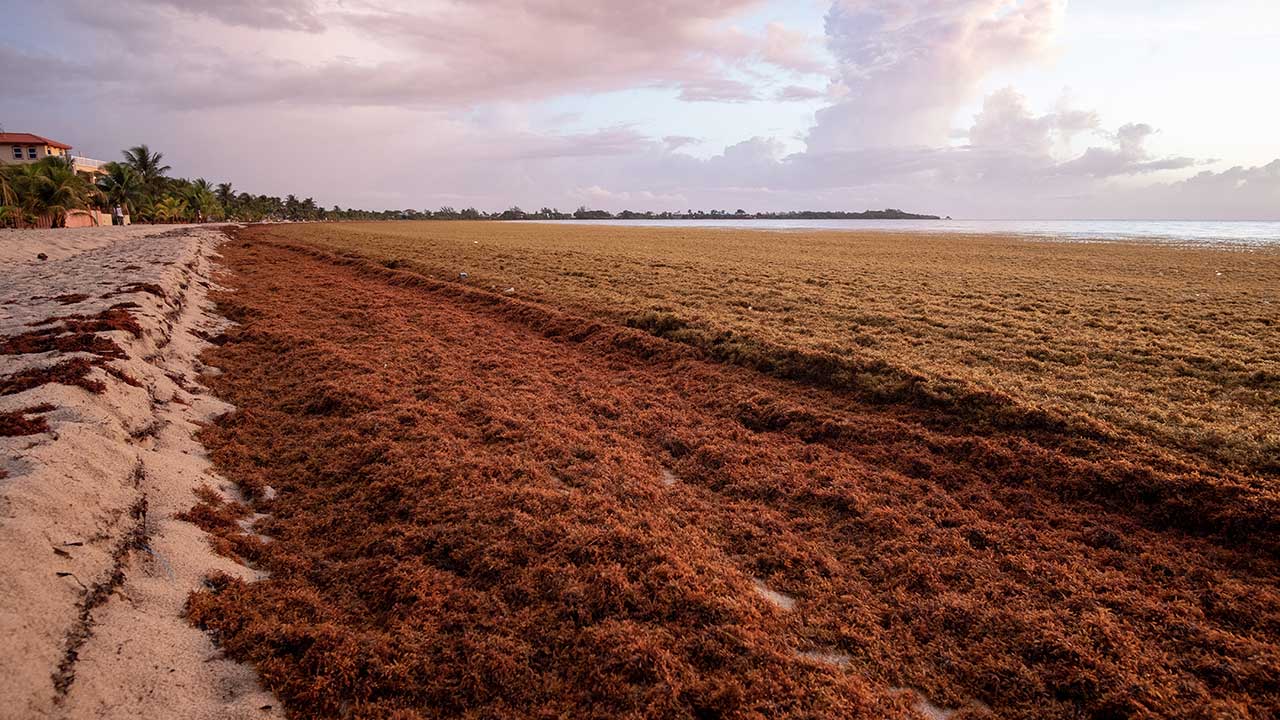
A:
(140, 184)
(49, 188)
(44, 192)
(584, 213)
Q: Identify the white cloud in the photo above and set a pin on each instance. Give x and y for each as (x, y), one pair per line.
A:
(419, 104)
(908, 64)
(799, 93)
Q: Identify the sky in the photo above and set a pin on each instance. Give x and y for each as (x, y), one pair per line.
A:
(1157, 109)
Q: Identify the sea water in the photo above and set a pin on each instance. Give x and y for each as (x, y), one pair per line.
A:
(1177, 232)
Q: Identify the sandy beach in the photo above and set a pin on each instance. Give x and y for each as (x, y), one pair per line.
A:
(96, 568)
(733, 360)
(419, 470)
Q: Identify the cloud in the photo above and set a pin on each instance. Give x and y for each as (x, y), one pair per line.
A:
(445, 102)
(284, 14)
(909, 64)
(675, 142)
(432, 54)
(1006, 123)
(1016, 163)
(28, 75)
(1238, 193)
(1128, 156)
(596, 197)
(792, 50)
(608, 141)
(799, 93)
(716, 90)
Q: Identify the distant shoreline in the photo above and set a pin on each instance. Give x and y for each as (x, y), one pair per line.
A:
(1225, 234)
(734, 218)
(740, 215)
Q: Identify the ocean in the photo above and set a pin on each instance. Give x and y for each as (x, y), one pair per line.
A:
(1177, 232)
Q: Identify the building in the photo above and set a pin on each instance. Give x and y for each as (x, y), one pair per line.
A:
(28, 148)
(24, 148)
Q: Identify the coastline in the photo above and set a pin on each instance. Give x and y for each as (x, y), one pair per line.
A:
(1232, 234)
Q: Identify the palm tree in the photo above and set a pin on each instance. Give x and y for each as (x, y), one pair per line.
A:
(198, 195)
(225, 194)
(7, 196)
(206, 205)
(148, 166)
(61, 190)
(171, 209)
(123, 186)
(9, 210)
(51, 187)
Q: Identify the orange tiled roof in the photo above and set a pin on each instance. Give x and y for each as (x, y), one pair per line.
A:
(29, 139)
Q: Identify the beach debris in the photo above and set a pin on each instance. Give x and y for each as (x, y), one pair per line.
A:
(73, 577)
(509, 291)
(42, 256)
(462, 276)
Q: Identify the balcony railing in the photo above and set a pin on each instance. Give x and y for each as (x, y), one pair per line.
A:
(88, 163)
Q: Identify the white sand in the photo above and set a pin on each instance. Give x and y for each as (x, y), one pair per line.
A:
(67, 503)
(782, 601)
(21, 246)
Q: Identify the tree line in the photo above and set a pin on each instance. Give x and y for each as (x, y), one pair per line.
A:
(139, 184)
(584, 213)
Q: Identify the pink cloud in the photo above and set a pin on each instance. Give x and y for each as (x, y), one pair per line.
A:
(908, 64)
(428, 54)
(608, 141)
(675, 142)
(716, 90)
(795, 51)
(1006, 123)
(799, 93)
(437, 95)
(284, 14)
